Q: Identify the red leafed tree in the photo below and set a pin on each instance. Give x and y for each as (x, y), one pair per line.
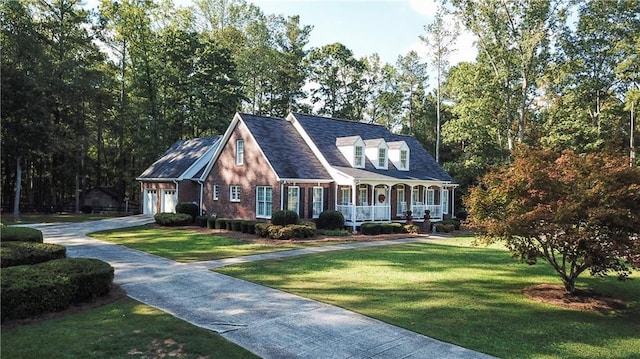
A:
(577, 212)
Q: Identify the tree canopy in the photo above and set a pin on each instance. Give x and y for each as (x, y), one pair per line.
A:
(577, 212)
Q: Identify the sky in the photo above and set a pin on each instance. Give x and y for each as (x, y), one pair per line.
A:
(388, 27)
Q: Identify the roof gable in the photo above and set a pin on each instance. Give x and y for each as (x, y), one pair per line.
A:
(180, 157)
(285, 150)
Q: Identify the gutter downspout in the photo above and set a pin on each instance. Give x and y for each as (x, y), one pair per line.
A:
(177, 193)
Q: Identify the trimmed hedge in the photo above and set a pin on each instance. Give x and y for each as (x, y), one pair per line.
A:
(52, 286)
(374, 229)
(211, 222)
(444, 227)
(21, 234)
(330, 220)
(172, 219)
(299, 231)
(452, 221)
(189, 208)
(201, 221)
(285, 218)
(21, 253)
(221, 223)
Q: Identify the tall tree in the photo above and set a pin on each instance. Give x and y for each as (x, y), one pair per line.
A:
(440, 38)
(514, 38)
(412, 74)
(337, 76)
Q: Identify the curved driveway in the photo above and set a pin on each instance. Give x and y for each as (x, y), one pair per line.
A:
(268, 322)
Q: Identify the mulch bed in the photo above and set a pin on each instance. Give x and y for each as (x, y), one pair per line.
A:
(583, 299)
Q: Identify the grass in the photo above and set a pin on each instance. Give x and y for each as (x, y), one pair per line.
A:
(27, 218)
(123, 329)
(470, 296)
(190, 246)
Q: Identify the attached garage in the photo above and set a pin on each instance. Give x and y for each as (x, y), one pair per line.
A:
(150, 201)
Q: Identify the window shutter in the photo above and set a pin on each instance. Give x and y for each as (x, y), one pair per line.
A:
(301, 202)
(310, 203)
(285, 198)
(326, 195)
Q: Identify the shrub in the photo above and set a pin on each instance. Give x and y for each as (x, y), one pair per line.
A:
(189, 208)
(211, 223)
(262, 229)
(302, 231)
(386, 228)
(398, 227)
(330, 220)
(283, 218)
(236, 225)
(410, 228)
(172, 219)
(229, 225)
(462, 214)
(333, 232)
(22, 234)
(372, 229)
(454, 222)
(201, 221)
(86, 209)
(444, 227)
(21, 253)
(52, 286)
(249, 227)
(221, 223)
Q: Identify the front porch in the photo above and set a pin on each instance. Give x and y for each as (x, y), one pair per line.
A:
(387, 202)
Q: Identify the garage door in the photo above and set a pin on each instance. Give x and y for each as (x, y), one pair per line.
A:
(150, 205)
(169, 200)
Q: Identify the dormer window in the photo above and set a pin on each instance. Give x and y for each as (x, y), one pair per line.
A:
(376, 151)
(352, 148)
(399, 155)
(382, 157)
(358, 160)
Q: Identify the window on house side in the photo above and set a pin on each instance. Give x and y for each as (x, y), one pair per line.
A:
(359, 158)
(234, 193)
(239, 152)
(382, 157)
(293, 196)
(430, 197)
(318, 195)
(264, 201)
(362, 196)
(445, 201)
(216, 192)
(403, 160)
(345, 195)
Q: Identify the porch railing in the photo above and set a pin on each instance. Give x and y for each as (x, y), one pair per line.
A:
(365, 213)
(418, 210)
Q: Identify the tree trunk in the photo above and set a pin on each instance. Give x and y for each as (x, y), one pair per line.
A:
(16, 201)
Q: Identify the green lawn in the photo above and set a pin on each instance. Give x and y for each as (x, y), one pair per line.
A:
(123, 329)
(470, 296)
(189, 246)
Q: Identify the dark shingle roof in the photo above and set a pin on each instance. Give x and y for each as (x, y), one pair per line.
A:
(177, 159)
(323, 132)
(284, 148)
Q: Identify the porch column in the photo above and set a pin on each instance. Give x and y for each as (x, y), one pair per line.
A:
(453, 202)
(353, 206)
(411, 199)
(442, 209)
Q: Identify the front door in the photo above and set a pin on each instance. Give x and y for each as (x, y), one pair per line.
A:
(382, 212)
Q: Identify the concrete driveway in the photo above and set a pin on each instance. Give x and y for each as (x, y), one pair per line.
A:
(265, 321)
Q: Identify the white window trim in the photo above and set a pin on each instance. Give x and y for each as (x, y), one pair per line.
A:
(363, 198)
(315, 201)
(431, 197)
(382, 160)
(445, 201)
(399, 200)
(239, 152)
(356, 163)
(263, 212)
(216, 192)
(231, 194)
(345, 193)
(405, 165)
(297, 209)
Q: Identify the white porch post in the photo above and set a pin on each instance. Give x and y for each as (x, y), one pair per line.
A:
(441, 201)
(411, 199)
(353, 206)
(453, 202)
